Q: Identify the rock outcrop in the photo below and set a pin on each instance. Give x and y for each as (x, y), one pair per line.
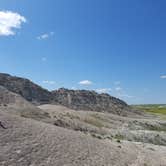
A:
(27, 89)
(9, 98)
(90, 101)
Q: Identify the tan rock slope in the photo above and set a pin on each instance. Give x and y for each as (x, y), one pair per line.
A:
(15, 104)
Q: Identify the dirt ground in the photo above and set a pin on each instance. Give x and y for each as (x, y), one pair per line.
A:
(27, 142)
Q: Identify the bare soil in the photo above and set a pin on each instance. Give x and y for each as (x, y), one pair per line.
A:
(29, 142)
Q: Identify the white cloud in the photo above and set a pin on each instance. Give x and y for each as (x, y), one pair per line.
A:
(10, 21)
(73, 88)
(85, 82)
(163, 77)
(49, 82)
(45, 36)
(118, 89)
(104, 90)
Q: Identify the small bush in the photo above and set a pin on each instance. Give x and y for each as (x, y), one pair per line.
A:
(119, 137)
(96, 136)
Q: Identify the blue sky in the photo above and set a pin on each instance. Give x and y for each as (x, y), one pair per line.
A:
(112, 46)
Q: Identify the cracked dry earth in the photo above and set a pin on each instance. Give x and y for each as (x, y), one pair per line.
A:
(27, 142)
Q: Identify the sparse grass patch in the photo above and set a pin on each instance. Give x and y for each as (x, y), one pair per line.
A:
(100, 117)
(71, 116)
(104, 120)
(100, 136)
(155, 127)
(34, 114)
(97, 136)
(94, 122)
(145, 164)
(47, 114)
(97, 116)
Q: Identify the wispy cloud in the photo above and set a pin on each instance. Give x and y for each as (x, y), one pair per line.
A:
(104, 90)
(123, 95)
(163, 76)
(145, 90)
(73, 88)
(117, 82)
(10, 21)
(45, 36)
(48, 82)
(43, 59)
(118, 89)
(85, 82)
(120, 93)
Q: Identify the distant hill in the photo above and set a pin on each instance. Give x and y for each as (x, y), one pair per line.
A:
(74, 99)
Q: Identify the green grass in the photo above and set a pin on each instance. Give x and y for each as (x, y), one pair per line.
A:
(152, 108)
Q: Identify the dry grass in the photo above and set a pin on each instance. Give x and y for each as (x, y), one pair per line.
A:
(94, 122)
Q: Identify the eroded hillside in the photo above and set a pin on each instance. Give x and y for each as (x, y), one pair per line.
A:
(33, 143)
(100, 131)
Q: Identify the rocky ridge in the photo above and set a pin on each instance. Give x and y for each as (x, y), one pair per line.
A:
(74, 99)
(90, 101)
(27, 89)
